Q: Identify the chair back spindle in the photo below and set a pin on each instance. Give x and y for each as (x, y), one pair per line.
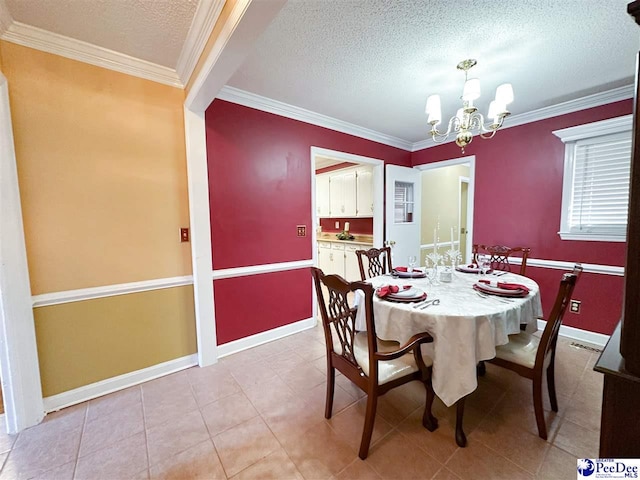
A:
(374, 262)
(499, 256)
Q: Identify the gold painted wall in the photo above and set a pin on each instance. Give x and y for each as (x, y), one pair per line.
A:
(102, 172)
(103, 183)
(84, 342)
(440, 203)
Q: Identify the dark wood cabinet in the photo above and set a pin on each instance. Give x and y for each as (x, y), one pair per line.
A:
(620, 360)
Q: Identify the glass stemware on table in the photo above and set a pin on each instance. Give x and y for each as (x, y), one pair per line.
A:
(411, 263)
(434, 260)
(484, 264)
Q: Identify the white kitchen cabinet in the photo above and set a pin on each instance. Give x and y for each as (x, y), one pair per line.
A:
(324, 257)
(342, 194)
(364, 192)
(340, 258)
(345, 193)
(337, 258)
(322, 195)
(351, 267)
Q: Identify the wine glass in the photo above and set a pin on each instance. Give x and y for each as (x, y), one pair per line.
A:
(484, 264)
(411, 262)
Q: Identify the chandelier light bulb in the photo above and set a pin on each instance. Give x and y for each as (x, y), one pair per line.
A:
(494, 110)
(504, 94)
(471, 89)
(434, 109)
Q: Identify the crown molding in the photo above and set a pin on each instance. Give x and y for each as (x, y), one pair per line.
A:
(45, 41)
(590, 101)
(241, 97)
(205, 18)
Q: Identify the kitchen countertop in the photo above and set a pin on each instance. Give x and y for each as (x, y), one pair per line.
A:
(331, 237)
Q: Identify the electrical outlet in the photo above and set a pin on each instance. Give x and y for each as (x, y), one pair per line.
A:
(338, 225)
(184, 235)
(574, 306)
(302, 230)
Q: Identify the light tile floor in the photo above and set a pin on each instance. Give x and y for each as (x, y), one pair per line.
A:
(258, 414)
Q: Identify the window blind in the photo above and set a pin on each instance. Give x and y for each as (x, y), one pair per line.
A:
(403, 202)
(600, 194)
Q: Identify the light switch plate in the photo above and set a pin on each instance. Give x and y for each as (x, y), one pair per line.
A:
(184, 235)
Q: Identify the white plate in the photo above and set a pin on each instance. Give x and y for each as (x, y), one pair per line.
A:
(501, 291)
(408, 293)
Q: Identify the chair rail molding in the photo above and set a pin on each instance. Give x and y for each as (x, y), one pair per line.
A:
(68, 296)
(564, 265)
(260, 269)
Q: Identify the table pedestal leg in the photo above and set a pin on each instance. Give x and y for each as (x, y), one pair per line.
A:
(461, 438)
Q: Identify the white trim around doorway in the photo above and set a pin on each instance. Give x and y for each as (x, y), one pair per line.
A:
(471, 160)
(21, 388)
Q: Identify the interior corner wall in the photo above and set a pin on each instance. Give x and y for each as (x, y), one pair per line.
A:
(103, 184)
(518, 197)
(260, 190)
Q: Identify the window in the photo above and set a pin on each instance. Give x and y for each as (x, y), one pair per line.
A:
(595, 191)
(403, 206)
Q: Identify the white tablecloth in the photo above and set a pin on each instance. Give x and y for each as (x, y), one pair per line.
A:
(465, 327)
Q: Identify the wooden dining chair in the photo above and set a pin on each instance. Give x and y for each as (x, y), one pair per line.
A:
(377, 260)
(375, 366)
(529, 356)
(499, 256)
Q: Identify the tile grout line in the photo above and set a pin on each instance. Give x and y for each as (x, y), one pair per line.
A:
(84, 426)
(144, 425)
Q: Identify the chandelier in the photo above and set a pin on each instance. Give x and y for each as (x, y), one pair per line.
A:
(468, 120)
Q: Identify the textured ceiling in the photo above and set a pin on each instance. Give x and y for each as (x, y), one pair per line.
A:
(373, 63)
(151, 30)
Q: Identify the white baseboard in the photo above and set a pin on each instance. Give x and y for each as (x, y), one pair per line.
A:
(584, 336)
(264, 337)
(103, 387)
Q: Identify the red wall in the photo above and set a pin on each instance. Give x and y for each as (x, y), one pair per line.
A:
(260, 190)
(356, 225)
(518, 196)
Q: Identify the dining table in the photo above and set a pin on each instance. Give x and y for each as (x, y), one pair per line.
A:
(466, 323)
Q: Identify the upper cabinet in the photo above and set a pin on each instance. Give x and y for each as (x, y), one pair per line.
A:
(345, 193)
(364, 192)
(322, 195)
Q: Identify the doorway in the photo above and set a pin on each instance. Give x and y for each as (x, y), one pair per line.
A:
(447, 206)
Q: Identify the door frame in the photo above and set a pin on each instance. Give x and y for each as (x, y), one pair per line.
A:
(378, 198)
(471, 160)
(21, 387)
(461, 180)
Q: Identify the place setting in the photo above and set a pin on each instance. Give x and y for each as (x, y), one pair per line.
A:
(501, 289)
(409, 271)
(401, 294)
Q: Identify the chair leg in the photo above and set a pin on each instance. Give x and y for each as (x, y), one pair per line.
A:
(481, 369)
(331, 380)
(537, 406)
(461, 438)
(369, 420)
(551, 385)
(428, 420)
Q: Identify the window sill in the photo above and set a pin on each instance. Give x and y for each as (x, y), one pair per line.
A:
(592, 237)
